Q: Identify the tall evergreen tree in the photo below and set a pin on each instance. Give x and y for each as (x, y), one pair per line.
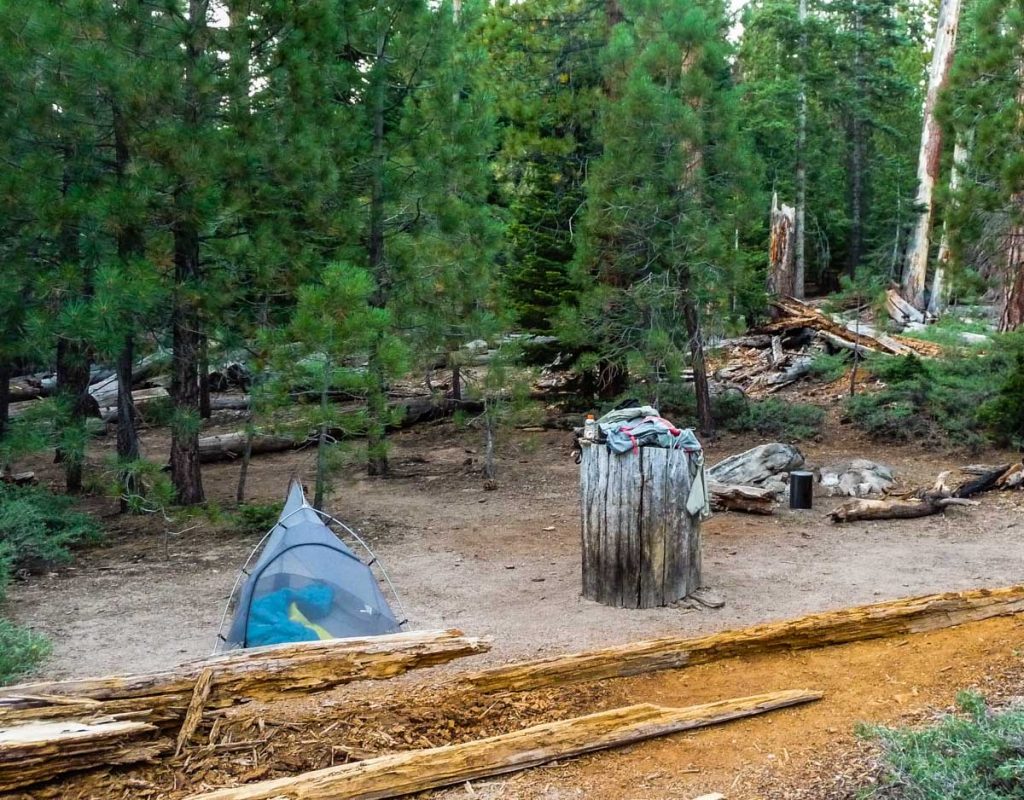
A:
(666, 197)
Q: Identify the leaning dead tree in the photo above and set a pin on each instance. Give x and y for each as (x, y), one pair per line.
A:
(915, 271)
(781, 250)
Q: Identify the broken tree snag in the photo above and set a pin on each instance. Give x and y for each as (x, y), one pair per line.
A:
(641, 549)
(418, 770)
(863, 510)
(40, 751)
(748, 499)
(259, 673)
(781, 251)
(915, 271)
(893, 618)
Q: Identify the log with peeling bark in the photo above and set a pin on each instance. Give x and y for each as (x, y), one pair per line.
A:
(407, 412)
(860, 623)
(259, 673)
(748, 499)
(41, 751)
(909, 508)
(419, 770)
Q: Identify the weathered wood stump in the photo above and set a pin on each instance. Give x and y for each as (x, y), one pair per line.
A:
(641, 549)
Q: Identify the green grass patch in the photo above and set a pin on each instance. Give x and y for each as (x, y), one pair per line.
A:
(976, 754)
(947, 330)
(21, 650)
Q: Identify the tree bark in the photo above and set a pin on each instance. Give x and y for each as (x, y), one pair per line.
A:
(800, 215)
(412, 772)
(127, 433)
(205, 412)
(781, 274)
(856, 624)
(376, 445)
(858, 169)
(5, 393)
(186, 474)
(701, 387)
(937, 297)
(243, 471)
(640, 547)
(915, 271)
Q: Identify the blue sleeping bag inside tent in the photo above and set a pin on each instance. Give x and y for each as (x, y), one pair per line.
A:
(271, 618)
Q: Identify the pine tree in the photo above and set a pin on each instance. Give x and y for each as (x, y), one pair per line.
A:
(987, 221)
(663, 200)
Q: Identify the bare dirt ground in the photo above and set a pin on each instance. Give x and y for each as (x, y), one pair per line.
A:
(505, 564)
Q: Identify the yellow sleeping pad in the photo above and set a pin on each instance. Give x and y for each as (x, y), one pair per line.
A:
(297, 616)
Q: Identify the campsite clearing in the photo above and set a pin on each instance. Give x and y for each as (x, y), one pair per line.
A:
(505, 564)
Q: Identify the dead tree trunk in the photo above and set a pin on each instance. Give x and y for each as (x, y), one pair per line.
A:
(800, 216)
(5, 393)
(915, 271)
(781, 275)
(937, 298)
(641, 548)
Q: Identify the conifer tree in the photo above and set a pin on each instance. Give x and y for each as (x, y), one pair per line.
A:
(665, 198)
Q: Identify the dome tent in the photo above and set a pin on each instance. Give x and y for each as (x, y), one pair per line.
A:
(306, 584)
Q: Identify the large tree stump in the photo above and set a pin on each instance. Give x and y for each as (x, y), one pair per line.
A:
(641, 549)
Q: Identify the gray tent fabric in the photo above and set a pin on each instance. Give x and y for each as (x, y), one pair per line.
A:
(307, 584)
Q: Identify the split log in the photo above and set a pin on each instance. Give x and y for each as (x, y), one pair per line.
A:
(418, 770)
(893, 618)
(640, 546)
(259, 673)
(748, 499)
(41, 751)
(863, 510)
(900, 310)
(757, 465)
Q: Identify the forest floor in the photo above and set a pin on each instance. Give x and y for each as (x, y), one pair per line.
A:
(505, 564)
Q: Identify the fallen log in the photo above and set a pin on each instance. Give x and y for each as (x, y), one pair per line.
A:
(259, 673)
(892, 618)
(406, 413)
(899, 310)
(140, 399)
(41, 751)
(990, 479)
(796, 314)
(913, 508)
(748, 499)
(418, 770)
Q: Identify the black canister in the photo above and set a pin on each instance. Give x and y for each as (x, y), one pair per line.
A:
(801, 489)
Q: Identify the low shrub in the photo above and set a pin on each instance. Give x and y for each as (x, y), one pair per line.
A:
(37, 530)
(257, 518)
(963, 399)
(976, 754)
(734, 412)
(20, 651)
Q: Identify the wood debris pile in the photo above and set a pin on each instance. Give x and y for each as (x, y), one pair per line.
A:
(781, 352)
(937, 498)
